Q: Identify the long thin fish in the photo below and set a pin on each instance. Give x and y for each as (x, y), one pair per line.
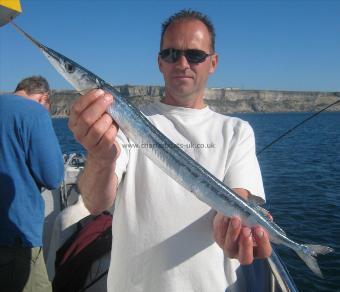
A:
(175, 162)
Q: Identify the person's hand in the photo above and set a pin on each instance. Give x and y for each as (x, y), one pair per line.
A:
(93, 127)
(241, 242)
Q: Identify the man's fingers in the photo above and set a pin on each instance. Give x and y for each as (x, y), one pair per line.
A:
(113, 147)
(220, 226)
(108, 142)
(263, 247)
(98, 130)
(232, 236)
(93, 127)
(81, 104)
(92, 113)
(245, 251)
(90, 116)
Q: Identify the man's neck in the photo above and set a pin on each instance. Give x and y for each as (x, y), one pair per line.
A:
(21, 93)
(195, 103)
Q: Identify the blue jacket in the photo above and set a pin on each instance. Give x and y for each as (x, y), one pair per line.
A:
(30, 158)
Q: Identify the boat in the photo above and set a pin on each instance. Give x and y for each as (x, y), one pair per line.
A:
(8, 10)
(64, 209)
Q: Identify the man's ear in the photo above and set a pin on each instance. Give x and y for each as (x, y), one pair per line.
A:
(160, 64)
(213, 63)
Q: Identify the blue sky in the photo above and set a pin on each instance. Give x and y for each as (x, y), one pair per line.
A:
(279, 45)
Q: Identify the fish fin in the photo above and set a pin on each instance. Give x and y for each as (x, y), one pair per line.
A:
(309, 253)
(265, 213)
(255, 200)
(319, 249)
(255, 205)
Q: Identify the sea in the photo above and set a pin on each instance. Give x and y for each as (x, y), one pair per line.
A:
(301, 175)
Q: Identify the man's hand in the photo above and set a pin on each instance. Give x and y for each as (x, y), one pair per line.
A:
(93, 127)
(241, 242)
(96, 131)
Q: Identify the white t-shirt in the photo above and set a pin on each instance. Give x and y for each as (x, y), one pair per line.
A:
(162, 234)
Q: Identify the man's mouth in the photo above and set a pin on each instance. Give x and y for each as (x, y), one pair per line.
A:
(182, 77)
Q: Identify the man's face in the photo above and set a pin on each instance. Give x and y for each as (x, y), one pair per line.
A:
(42, 98)
(45, 101)
(185, 82)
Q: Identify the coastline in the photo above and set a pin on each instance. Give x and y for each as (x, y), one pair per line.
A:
(223, 100)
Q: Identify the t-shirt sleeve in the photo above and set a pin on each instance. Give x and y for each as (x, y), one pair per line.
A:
(243, 168)
(44, 153)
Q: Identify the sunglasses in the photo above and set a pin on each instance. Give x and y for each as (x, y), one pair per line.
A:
(193, 56)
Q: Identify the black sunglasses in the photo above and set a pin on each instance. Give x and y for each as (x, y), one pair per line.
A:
(193, 56)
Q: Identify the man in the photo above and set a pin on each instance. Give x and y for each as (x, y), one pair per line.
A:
(30, 158)
(35, 88)
(163, 235)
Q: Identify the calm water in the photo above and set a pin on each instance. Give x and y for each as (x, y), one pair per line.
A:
(301, 175)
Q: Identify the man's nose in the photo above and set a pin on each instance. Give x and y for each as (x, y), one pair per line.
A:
(182, 62)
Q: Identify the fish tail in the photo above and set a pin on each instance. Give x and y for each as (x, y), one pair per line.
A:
(308, 254)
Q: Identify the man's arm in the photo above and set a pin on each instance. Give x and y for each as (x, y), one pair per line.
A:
(239, 241)
(44, 155)
(98, 185)
(96, 131)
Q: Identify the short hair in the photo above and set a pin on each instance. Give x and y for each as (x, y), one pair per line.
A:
(188, 14)
(33, 84)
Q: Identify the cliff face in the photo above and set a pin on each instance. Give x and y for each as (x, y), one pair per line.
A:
(222, 100)
(229, 101)
(62, 101)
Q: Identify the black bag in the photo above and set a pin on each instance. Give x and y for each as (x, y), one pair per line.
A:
(91, 241)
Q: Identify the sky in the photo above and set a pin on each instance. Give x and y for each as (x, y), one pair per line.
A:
(264, 45)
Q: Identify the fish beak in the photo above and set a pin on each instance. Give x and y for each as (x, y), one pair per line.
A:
(35, 42)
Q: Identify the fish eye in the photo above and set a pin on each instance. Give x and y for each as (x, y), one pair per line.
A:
(69, 67)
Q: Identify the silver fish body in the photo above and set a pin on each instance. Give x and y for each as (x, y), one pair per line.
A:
(175, 162)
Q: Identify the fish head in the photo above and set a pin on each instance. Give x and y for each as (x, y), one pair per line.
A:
(80, 78)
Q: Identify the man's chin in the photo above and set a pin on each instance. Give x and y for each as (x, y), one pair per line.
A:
(183, 91)
(183, 95)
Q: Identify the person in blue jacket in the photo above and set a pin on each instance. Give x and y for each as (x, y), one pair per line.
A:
(30, 159)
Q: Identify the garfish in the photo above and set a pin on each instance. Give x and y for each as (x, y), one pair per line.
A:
(174, 161)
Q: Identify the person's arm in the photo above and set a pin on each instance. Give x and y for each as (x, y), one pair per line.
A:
(241, 242)
(44, 155)
(96, 131)
(98, 185)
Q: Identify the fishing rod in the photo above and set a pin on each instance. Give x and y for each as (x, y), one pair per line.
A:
(296, 126)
